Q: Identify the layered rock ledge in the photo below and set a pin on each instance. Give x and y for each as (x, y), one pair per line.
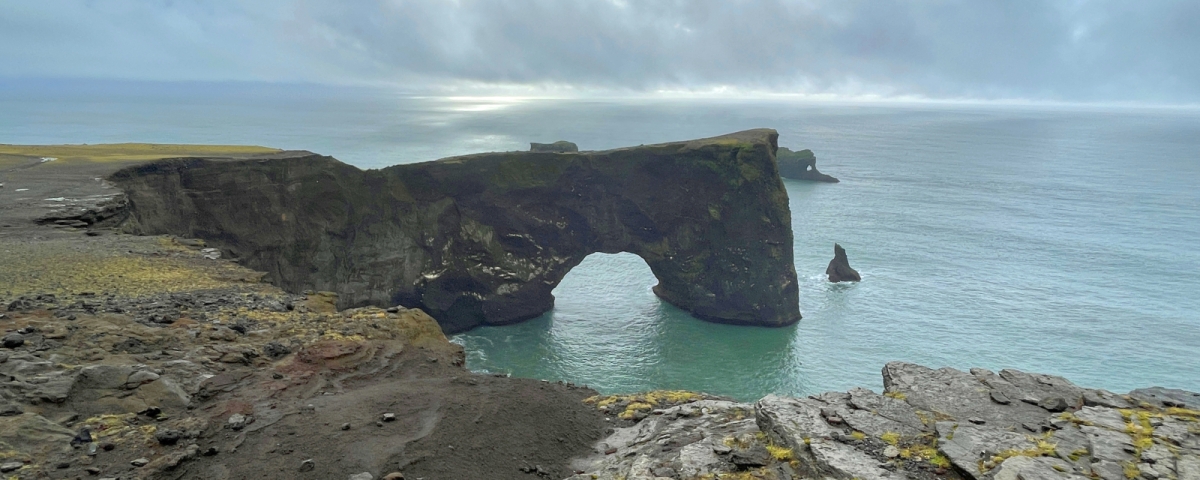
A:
(927, 424)
(484, 239)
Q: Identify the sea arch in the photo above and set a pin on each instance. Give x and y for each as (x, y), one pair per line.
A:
(484, 239)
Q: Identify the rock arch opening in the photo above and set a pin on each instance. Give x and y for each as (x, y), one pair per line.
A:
(605, 278)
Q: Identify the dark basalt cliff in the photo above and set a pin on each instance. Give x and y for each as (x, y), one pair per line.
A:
(801, 165)
(483, 239)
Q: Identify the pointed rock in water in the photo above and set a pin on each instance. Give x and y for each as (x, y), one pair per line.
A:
(839, 268)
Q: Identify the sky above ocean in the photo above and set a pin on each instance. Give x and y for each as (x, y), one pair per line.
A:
(1095, 51)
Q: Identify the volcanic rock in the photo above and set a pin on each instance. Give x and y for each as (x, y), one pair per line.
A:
(942, 412)
(839, 268)
(484, 239)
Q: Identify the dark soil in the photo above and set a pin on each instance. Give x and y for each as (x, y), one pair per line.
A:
(449, 424)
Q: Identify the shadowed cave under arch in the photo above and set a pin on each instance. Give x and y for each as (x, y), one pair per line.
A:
(485, 238)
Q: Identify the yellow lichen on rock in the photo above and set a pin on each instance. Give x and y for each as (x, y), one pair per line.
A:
(781, 454)
(632, 405)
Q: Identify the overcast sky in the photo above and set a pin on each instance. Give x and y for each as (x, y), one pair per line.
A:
(1072, 50)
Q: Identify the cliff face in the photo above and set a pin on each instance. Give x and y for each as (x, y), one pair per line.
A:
(483, 239)
(801, 165)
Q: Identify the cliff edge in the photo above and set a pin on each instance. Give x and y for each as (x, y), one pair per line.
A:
(484, 239)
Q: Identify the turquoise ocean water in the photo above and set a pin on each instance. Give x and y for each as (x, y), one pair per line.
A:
(1061, 240)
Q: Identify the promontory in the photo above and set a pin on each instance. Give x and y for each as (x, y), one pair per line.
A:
(484, 239)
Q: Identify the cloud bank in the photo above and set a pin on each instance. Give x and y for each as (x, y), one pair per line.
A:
(1070, 50)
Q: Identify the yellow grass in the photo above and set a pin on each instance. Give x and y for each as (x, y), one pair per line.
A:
(63, 271)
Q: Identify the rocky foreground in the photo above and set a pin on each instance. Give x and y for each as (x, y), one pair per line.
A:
(927, 424)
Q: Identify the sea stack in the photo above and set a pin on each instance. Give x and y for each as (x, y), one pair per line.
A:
(561, 146)
(839, 268)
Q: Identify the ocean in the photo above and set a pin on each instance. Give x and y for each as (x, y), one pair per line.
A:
(1062, 239)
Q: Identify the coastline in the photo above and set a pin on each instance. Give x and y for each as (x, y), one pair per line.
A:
(193, 364)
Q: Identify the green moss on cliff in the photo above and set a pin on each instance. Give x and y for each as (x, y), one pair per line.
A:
(521, 171)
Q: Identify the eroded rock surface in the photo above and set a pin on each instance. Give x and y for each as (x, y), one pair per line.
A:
(484, 239)
(942, 423)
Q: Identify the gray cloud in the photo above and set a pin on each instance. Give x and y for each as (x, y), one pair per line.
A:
(1077, 50)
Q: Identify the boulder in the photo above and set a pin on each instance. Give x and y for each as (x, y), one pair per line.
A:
(839, 268)
(13, 340)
